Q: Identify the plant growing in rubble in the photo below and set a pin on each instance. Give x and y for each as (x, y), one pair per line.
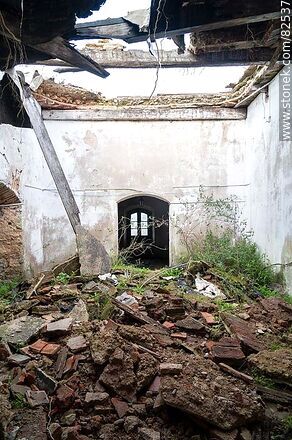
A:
(18, 402)
(104, 305)
(240, 258)
(270, 293)
(226, 245)
(6, 287)
(288, 423)
(208, 214)
(62, 278)
(225, 306)
(261, 379)
(139, 290)
(8, 293)
(172, 272)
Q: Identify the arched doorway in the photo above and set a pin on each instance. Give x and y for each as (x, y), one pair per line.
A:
(11, 250)
(144, 230)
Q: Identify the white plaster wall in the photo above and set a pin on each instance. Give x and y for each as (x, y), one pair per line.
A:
(106, 162)
(270, 177)
(109, 161)
(23, 169)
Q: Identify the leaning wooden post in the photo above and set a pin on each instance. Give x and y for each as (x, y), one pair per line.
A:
(92, 254)
(33, 111)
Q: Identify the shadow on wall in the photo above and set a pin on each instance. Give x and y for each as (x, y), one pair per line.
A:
(11, 247)
(144, 230)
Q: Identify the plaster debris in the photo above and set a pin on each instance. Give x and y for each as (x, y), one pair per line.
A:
(208, 289)
(127, 299)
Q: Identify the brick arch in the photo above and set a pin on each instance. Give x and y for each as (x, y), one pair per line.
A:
(7, 196)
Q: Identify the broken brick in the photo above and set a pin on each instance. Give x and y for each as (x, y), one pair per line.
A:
(175, 312)
(37, 346)
(96, 398)
(208, 318)
(19, 389)
(60, 363)
(120, 406)
(209, 345)
(59, 328)
(65, 396)
(155, 386)
(168, 368)
(179, 335)
(77, 343)
(51, 349)
(71, 364)
(168, 325)
(18, 359)
(243, 332)
(37, 398)
(191, 324)
(55, 431)
(228, 351)
(4, 351)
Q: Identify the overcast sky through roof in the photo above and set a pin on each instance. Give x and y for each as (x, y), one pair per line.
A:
(133, 82)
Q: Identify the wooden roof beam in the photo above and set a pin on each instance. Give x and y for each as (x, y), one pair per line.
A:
(136, 59)
(240, 37)
(122, 29)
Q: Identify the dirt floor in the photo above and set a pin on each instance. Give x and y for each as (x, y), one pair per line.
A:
(143, 354)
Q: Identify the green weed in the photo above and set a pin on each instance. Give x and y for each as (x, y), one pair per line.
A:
(225, 306)
(268, 293)
(171, 272)
(7, 293)
(276, 346)
(138, 289)
(261, 379)
(104, 306)
(62, 278)
(239, 261)
(123, 284)
(6, 288)
(288, 423)
(18, 402)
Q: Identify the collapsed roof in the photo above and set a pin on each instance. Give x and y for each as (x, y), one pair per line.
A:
(226, 30)
(33, 30)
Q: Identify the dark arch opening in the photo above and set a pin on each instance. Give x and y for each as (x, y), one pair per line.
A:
(144, 230)
(11, 249)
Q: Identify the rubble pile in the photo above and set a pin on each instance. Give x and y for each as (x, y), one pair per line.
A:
(142, 359)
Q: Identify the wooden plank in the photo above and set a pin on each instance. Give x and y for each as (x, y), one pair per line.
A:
(121, 29)
(240, 37)
(135, 314)
(146, 114)
(276, 396)
(33, 110)
(138, 59)
(106, 29)
(170, 59)
(235, 373)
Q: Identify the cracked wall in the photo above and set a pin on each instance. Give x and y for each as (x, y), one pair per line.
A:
(269, 172)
